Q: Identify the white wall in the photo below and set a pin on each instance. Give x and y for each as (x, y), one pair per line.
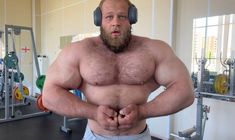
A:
(160, 29)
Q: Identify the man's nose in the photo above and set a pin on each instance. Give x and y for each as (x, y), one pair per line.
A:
(116, 21)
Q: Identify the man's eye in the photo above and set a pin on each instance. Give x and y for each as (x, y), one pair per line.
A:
(109, 17)
(123, 17)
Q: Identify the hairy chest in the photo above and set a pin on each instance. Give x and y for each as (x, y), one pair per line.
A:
(128, 68)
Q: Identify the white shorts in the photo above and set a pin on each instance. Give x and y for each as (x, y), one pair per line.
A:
(89, 135)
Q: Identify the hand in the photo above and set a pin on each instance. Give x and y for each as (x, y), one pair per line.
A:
(129, 116)
(107, 118)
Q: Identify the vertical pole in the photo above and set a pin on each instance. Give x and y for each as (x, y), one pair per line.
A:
(200, 86)
(171, 33)
(200, 99)
(6, 85)
(35, 53)
(232, 77)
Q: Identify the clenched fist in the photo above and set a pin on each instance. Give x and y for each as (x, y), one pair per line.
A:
(107, 118)
(129, 116)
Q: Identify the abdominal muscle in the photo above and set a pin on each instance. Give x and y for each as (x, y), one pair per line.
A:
(117, 97)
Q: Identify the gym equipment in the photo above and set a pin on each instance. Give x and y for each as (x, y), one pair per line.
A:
(40, 104)
(132, 15)
(17, 30)
(18, 94)
(224, 87)
(221, 84)
(11, 75)
(17, 114)
(18, 78)
(11, 60)
(190, 134)
(40, 81)
(1, 32)
(231, 64)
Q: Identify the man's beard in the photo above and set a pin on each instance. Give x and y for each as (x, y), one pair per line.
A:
(118, 44)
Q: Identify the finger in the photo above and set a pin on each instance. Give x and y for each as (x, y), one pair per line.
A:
(121, 116)
(111, 128)
(122, 119)
(125, 111)
(123, 127)
(110, 112)
(115, 119)
(112, 121)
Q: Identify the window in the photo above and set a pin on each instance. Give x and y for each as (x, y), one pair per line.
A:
(213, 38)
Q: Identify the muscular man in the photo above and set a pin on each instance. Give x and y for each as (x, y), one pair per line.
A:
(117, 72)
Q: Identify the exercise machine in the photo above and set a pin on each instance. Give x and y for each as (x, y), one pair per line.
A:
(223, 89)
(11, 78)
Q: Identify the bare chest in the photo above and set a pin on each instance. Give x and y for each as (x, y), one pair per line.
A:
(128, 68)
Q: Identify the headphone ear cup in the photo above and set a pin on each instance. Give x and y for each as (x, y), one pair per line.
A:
(97, 16)
(132, 14)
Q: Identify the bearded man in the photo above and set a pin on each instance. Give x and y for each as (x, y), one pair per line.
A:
(117, 72)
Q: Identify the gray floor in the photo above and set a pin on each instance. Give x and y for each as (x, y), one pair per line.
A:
(41, 128)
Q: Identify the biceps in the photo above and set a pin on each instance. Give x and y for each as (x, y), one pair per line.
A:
(170, 72)
(65, 77)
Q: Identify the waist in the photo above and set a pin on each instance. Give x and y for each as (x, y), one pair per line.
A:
(138, 128)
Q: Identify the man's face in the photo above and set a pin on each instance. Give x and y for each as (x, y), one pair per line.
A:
(115, 29)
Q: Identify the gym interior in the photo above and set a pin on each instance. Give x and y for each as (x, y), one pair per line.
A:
(201, 33)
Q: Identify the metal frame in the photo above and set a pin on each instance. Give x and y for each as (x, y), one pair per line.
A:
(197, 132)
(231, 64)
(64, 128)
(9, 29)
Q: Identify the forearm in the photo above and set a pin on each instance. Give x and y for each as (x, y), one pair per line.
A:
(65, 103)
(168, 102)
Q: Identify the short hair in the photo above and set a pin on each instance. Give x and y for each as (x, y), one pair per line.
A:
(102, 1)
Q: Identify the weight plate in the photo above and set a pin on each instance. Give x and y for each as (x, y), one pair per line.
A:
(221, 84)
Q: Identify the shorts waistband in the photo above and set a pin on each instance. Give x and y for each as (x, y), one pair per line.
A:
(144, 135)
